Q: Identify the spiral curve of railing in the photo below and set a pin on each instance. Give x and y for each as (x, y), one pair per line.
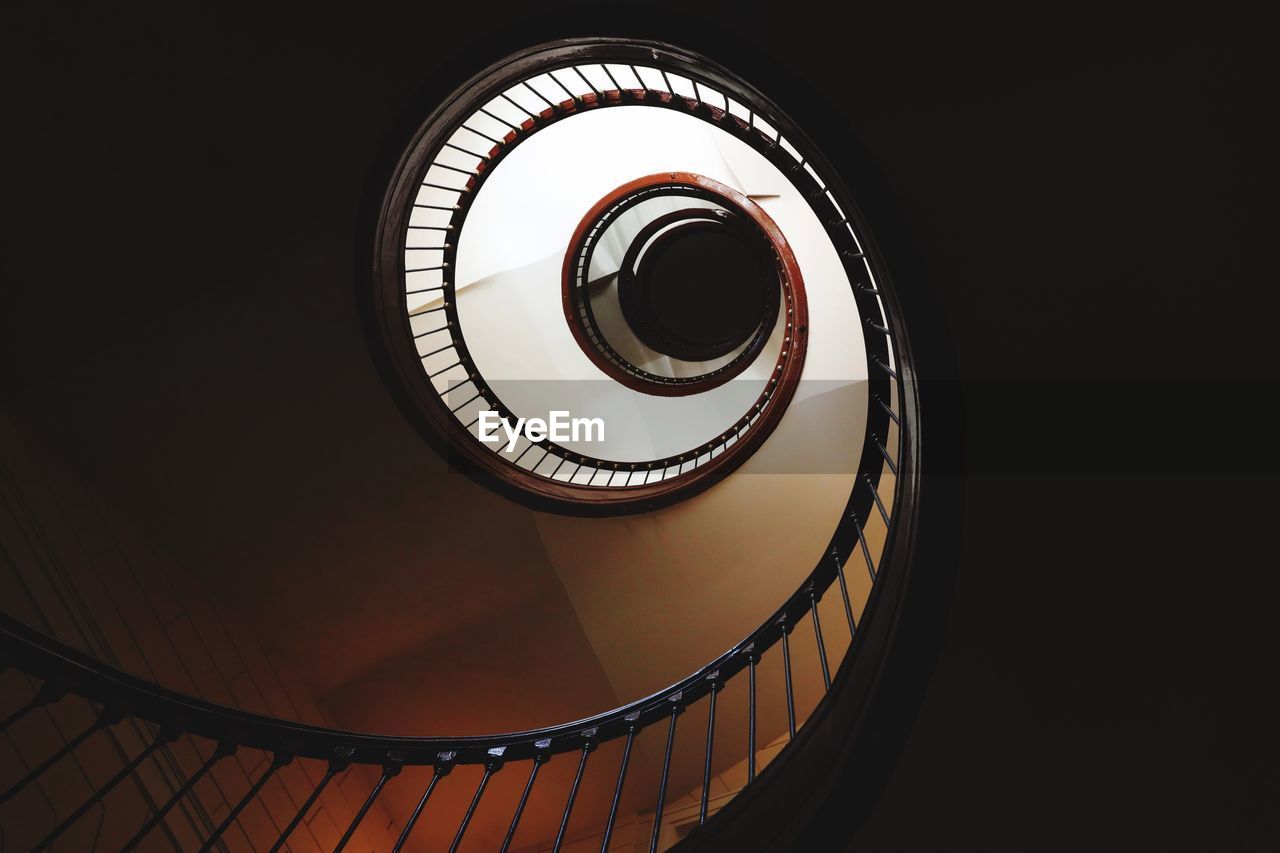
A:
(884, 494)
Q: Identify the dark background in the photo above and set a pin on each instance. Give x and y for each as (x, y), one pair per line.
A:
(1072, 205)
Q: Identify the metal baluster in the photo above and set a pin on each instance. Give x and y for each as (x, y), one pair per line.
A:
(466, 172)
(483, 136)
(890, 412)
(278, 760)
(632, 721)
(46, 695)
(817, 632)
(165, 735)
(866, 552)
(523, 452)
(612, 79)
(468, 401)
(541, 97)
(590, 85)
(501, 120)
(107, 717)
(484, 157)
(424, 313)
(752, 659)
(588, 744)
(844, 592)
(512, 102)
(666, 81)
(644, 86)
(676, 708)
(714, 678)
(443, 369)
(885, 453)
(786, 666)
(443, 764)
(223, 749)
(439, 349)
(539, 758)
(884, 513)
(886, 368)
(491, 766)
(390, 770)
(443, 187)
(336, 766)
(563, 87)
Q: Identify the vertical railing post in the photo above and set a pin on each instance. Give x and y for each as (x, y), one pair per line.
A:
(817, 633)
(491, 765)
(336, 765)
(48, 693)
(278, 760)
(390, 769)
(875, 494)
(541, 755)
(714, 678)
(588, 745)
(786, 666)
(223, 749)
(442, 766)
(632, 720)
(866, 552)
(166, 734)
(844, 591)
(677, 706)
(752, 660)
(106, 717)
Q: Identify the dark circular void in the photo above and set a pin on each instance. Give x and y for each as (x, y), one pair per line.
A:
(700, 290)
(701, 283)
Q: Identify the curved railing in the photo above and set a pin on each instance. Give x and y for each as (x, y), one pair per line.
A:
(733, 209)
(884, 494)
(436, 184)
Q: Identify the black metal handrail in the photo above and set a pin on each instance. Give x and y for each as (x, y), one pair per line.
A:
(890, 433)
(118, 694)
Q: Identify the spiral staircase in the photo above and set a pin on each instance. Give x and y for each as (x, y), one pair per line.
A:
(612, 228)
